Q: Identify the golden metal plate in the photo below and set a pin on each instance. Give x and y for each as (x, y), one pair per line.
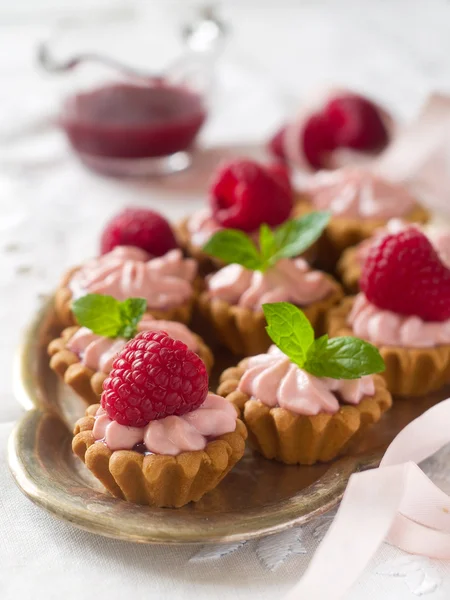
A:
(257, 498)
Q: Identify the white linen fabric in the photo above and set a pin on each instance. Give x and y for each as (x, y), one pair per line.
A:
(52, 210)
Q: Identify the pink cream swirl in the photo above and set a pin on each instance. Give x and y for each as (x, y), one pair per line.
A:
(275, 381)
(356, 193)
(171, 435)
(98, 352)
(290, 280)
(383, 327)
(126, 272)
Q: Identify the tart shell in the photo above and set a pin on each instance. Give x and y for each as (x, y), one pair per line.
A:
(349, 269)
(409, 371)
(84, 381)
(343, 232)
(243, 331)
(158, 479)
(278, 433)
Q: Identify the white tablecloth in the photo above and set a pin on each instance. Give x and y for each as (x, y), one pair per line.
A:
(51, 211)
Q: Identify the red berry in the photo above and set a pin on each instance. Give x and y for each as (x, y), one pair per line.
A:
(245, 194)
(276, 144)
(281, 172)
(403, 274)
(355, 122)
(139, 227)
(318, 140)
(154, 376)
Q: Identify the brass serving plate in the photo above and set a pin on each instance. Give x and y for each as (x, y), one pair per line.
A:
(257, 498)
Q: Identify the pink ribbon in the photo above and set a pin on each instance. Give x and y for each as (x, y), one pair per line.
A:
(396, 502)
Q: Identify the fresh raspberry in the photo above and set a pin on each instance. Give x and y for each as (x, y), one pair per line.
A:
(139, 227)
(245, 194)
(281, 172)
(356, 123)
(344, 121)
(154, 376)
(276, 144)
(403, 274)
(318, 140)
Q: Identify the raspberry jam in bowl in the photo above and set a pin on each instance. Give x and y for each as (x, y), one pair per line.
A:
(127, 128)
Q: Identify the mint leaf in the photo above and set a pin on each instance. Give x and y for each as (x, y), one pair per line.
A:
(289, 240)
(267, 243)
(295, 236)
(131, 311)
(234, 246)
(100, 314)
(108, 317)
(343, 358)
(339, 358)
(319, 345)
(289, 329)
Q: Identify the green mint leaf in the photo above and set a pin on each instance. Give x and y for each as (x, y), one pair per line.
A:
(106, 316)
(100, 314)
(319, 345)
(290, 330)
(267, 243)
(343, 358)
(234, 246)
(295, 236)
(131, 311)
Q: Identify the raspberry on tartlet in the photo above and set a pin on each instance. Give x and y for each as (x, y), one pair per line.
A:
(141, 228)
(159, 437)
(342, 120)
(404, 309)
(153, 377)
(84, 359)
(243, 194)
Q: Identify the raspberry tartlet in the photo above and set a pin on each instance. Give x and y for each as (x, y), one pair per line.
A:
(304, 402)
(360, 202)
(404, 309)
(243, 195)
(349, 267)
(268, 272)
(159, 437)
(83, 355)
(166, 282)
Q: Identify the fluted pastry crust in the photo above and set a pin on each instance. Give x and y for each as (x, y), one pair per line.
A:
(280, 434)
(158, 479)
(349, 269)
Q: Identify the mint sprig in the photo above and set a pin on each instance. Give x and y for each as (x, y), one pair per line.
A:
(339, 358)
(286, 241)
(108, 317)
